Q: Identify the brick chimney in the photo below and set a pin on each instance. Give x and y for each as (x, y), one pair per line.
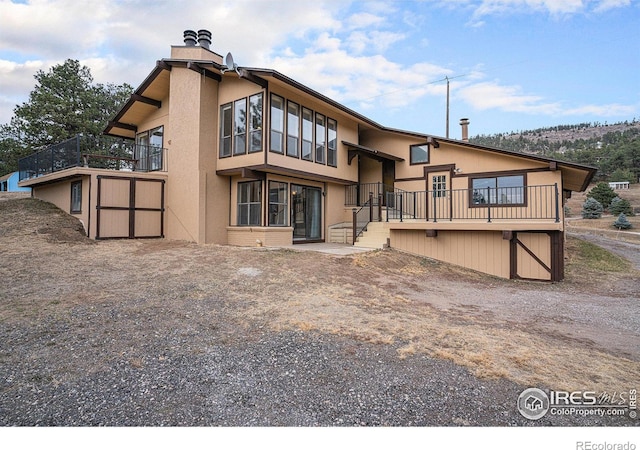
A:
(464, 123)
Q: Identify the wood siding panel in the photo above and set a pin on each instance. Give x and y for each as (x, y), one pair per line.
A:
(483, 251)
(540, 245)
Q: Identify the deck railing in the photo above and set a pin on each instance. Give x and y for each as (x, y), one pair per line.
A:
(102, 152)
(487, 204)
(369, 212)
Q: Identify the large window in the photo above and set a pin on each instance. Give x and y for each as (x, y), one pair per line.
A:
(255, 123)
(302, 133)
(240, 127)
(277, 124)
(76, 197)
(277, 203)
(293, 129)
(332, 142)
(504, 190)
(249, 203)
(307, 134)
(320, 138)
(419, 154)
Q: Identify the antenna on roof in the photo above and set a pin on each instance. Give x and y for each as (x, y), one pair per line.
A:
(230, 63)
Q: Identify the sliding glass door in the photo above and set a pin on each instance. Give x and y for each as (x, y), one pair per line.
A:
(306, 212)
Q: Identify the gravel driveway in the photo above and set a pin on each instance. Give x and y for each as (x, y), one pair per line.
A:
(127, 333)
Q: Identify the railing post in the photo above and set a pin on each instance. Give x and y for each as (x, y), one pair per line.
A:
(557, 203)
(370, 206)
(77, 150)
(355, 225)
(379, 207)
(435, 206)
(387, 204)
(401, 209)
(415, 205)
(488, 204)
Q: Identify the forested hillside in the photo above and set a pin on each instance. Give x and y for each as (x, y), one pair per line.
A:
(613, 148)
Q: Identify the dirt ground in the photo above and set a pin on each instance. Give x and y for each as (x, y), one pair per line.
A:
(582, 333)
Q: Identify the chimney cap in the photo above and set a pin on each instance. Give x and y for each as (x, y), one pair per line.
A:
(190, 38)
(204, 38)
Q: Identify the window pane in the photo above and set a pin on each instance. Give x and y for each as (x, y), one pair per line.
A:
(277, 203)
(249, 203)
(320, 138)
(510, 189)
(240, 127)
(307, 134)
(156, 135)
(277, 123)
(293, 129)
(332, 142)
(419, 154)
(226, 125)
(255, 111)
(76, 197)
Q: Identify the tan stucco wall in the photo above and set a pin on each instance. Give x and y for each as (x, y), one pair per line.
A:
(60, 195)
(260, 236)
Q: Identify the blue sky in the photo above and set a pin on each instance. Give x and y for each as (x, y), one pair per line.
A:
(512, 64)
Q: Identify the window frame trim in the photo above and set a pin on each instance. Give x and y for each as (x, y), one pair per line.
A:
(497, 175)
(238, 203)
(411, 162)
(71, 206)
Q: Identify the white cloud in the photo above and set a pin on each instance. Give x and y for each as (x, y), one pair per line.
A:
(486, 96)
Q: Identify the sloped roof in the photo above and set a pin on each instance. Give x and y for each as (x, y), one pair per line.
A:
(155, 87)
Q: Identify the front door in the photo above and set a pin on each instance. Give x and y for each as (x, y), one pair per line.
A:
(306, 212)
(388, 178)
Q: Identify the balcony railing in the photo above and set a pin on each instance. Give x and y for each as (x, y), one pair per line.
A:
(101, 153)
(487, 204)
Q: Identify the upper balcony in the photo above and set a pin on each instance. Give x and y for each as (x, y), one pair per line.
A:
(98, 153)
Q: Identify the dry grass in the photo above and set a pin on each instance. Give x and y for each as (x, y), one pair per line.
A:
(384, 297)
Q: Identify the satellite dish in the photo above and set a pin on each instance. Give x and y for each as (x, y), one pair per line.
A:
(230, 63)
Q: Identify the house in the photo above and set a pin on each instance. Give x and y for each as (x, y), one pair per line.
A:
(9, 183)
(210, 152)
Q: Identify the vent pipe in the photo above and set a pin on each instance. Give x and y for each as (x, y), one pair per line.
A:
(190, 38)
(204, 38)
(464, 123)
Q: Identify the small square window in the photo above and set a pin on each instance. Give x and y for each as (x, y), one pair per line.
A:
(419, 154)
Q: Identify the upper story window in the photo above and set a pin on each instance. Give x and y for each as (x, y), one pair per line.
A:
(332, 142)
(148, 150)
(499, 190)
(307, 134)
(293, 129)
(255, 123)
(277, 124)
(419, 154)
(241, 128)
(320, 138)
(302, 133)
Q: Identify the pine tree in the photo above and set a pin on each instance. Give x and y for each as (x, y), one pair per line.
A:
(622, 223)
(603, 194)
(592, 209)
(620, 206)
